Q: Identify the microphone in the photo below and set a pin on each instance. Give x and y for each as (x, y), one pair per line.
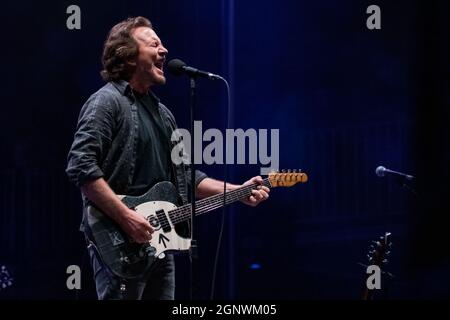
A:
(381, 171)
(178, 67)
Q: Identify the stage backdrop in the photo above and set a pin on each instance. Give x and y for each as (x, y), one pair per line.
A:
(345, 99)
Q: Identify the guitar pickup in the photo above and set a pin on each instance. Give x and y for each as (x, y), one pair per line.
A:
(163, 220)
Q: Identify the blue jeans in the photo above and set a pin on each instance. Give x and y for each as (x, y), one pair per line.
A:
(157, 283)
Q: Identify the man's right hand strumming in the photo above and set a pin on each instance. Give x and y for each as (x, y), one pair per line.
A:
(134, 225)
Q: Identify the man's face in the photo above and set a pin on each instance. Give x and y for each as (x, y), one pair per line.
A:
(151, 57)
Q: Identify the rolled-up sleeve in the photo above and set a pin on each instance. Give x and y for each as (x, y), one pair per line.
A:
(199, 176)
(92, 139)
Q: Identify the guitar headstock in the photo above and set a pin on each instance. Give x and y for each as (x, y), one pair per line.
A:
(380, 250)
(287, 178)
(5, 279)
(378, 254)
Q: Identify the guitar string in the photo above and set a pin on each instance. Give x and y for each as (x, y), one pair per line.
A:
(214, 202)
(239, 193)
(181, 213)
(211, 203)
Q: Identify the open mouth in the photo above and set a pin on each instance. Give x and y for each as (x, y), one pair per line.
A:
(159, 65)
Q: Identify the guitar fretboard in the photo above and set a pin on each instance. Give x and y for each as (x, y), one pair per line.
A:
(183, 213)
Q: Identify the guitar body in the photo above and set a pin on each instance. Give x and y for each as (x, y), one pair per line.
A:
(126, 258)
(158, 205)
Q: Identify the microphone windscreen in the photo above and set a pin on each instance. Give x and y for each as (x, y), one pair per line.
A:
(175, 66)
(380, 171)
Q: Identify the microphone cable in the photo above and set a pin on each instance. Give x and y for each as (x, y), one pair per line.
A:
(222, 223)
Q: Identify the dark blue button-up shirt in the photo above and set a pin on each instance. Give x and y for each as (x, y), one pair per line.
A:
(106, 140)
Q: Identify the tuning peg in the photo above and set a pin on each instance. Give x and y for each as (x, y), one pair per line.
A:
(294, 171)
(289, 171)
(283, 171)
(385, 261)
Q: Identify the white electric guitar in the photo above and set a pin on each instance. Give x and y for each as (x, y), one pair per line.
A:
(128, 259)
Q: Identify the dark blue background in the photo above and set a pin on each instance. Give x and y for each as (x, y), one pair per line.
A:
(346, 99)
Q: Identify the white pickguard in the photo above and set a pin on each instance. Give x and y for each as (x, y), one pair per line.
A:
(163, 241)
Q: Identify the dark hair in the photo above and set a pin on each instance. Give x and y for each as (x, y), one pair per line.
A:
(120, 50)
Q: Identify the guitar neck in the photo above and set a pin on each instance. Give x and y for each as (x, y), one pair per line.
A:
(183, 213)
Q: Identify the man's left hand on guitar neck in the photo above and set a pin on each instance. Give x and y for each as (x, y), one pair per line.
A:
(209, 187)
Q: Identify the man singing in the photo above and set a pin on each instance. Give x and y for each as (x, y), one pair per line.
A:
(122, 146)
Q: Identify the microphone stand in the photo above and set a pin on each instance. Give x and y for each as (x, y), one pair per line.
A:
(193, 250)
